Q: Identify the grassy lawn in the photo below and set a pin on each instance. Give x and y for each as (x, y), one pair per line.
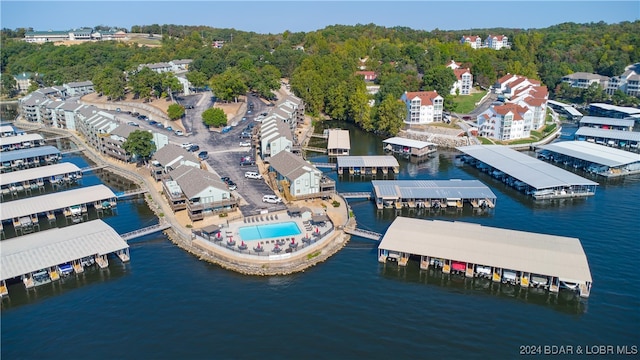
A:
(467, 103)
(485, 141)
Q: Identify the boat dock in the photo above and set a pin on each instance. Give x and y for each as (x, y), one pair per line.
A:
(433, 194)
(29, 180)
(367, 165)
(12, 143)
(593, 158)
(501, 255)
(29, 158)
(607, 123)
(626, 140)
(73, 204)
(409, 147)
(339, 143)
(532, 176)
(145, 231)
(44, 257)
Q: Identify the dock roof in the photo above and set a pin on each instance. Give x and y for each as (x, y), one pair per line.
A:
(536, 173)
(400, 141)
(55, 201)
(594, 153)
(338, 139)
(431, 189)
(606, 121)
(38, 172)
(536, 253)
(367, 161)
(44, 249)
(608, 134)
(28, 153)
(10, 140)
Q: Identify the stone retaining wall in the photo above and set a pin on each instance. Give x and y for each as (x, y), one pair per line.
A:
(442, 140)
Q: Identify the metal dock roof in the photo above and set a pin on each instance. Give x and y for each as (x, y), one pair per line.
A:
(28, 153)
(431, 189)
(594, 153)
(536, 173)
(408, 142)
(37, 173)
(55, 201)
(508, 249)
(608, 134)
(44, 249)
(338, 139)
(367, 161)
(606, 121)
(18, 139)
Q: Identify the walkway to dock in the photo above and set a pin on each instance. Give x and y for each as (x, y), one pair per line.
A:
(163, 225)
(314, 149)
(357, 195)
(69, 151)
(93, 168)
(124, 194)
(325, 165)
(364, 233)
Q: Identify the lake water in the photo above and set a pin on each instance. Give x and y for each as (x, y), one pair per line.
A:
(166, 303)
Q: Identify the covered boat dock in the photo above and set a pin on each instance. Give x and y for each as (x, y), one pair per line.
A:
(35, 179)
(597, 159)
(338, 143)
(607, 123)
(532, 176)
(434, 194)
(509, 256)
(18, 142)
(626, 140)
(29, 158)
(409, 147)
(72, 204)
(368, 165)
(46, 256)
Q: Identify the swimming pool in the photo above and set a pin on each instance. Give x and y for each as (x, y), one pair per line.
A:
(266, 231)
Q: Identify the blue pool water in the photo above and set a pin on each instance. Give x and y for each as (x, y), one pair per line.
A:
(269, 231)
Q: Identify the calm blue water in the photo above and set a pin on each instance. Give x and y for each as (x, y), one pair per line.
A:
(268, 231)
(167, 304)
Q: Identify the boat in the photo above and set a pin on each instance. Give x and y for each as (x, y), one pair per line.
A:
(483, 270)
(65, 269)
(458, 266)
(87, 261)
(41, 277)
(509, 276)
(568, 285)
(539, 280)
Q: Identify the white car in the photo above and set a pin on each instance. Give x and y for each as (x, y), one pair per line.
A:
(245, 144)
(252, 175)
(179, 132)
(186, 145)
(271, 199)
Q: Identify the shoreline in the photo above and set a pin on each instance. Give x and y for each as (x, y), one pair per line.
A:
(182, 237)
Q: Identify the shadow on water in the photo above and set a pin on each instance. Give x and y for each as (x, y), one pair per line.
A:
(565, 301)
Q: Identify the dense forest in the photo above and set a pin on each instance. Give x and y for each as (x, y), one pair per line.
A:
(321, 64)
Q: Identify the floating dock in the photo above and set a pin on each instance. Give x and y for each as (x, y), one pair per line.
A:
(46, 256)
(72, 204)
(29, 158)
(434, 194)
(532, 176)
(607, 123)
(409, 147)
(36, 178)
(339, 143)
(12, 143)
(367, 165)
(502, 255)
(626, 140)
(597, 159)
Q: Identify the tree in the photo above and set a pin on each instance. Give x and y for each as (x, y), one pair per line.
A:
(214, 117)
(170, 83)
(390, 115)
(110, 82)
(197, 79)
(229, 85)
(9, 86)
(140, 143)
(440, 79)
(175, 111)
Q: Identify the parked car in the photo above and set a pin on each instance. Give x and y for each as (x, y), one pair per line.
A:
(159, 125)
(252, 175)
(271, 199)
(232, 185)
(186, 145)
(225, 179)
(226, 129)
(193, 148)
(245, 143)
(135, 114)
(169, 128)
(203, 155)
(247, 160)
(245, 135)
(179, 133)
(153, 122)
(133, 123)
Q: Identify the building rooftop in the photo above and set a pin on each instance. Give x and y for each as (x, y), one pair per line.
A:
(623, 109)
(431, 189)
(367, 161)
(338, 139)
(291, 166)
(10, 140)
(536, 173)
(193, 181)
(37, 173)
(594, 153)
(606, 121)
(400, 141)
(41, 250)
(171, 154)
(28, 153)
(541, 254)
(607, 134)
(55, 201)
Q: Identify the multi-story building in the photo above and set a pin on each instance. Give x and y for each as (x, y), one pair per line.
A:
(46, 36)
(169, 158)
(423, 107)
(583, 80)
(505, 122)
(473, 40)
(297, 177)
(275, 136)
(79, 88)
(497, 42)
(368, 75)
(23, 81)
(83, 34)
(180, 65)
